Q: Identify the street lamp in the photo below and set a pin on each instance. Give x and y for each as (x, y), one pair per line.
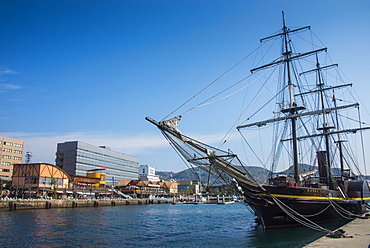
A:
(1, 189)
(43, 188)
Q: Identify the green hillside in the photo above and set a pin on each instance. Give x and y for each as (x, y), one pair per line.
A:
(259, 173)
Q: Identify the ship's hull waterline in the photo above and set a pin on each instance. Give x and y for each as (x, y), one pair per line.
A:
(310, 205)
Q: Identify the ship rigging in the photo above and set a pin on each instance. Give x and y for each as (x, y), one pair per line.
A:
(310, 139)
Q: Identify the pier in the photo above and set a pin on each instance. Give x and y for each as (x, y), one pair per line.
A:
(23, 204)
(357, 234)
(209, 199)
(31, 203)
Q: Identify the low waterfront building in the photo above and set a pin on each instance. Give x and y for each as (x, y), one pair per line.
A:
(98, 173)
(83, 182)
(38, 177)
(189, 187)
(42, 179)
(77, 158)
(11, 152)
(89, 186)
(170, 186)
(143, 189)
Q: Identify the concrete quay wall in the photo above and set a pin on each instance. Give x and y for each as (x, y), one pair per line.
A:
(46, 204)
(357, 235)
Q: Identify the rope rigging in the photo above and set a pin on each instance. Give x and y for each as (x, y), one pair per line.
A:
(205, 102)
(208, 161)
(217, 79)
(298, 217)
(252, 101)
(303, 219)
(308, 147)
(342, 212)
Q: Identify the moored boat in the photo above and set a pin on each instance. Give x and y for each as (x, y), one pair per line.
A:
(306, 123)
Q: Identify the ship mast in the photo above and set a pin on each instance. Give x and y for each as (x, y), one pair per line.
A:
(325, 124)
(325, 127)
(339, 143)
(292, 109)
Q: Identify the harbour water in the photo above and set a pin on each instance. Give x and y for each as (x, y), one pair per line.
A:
(164, 225)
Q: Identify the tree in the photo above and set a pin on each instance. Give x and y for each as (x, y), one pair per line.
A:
(53, 182)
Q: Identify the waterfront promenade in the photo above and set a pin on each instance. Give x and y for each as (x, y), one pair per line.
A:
(31, 203)
(23, 204)
(357, 235)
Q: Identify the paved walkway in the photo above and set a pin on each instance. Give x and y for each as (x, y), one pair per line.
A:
(359, 229)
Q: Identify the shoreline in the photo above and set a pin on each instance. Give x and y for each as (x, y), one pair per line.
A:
(24, 204)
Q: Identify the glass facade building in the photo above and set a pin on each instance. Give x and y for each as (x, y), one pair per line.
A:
(77, 158)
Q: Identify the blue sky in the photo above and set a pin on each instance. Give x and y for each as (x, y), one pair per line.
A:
(93, 70)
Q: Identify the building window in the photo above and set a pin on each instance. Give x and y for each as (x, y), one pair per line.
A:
(17, 158)
(17, 151)
(6, 156)
(18, 145)
(32, 180)
(4, 170)
(5, 163)
(51, 181)
(8, 143)
(7, 150)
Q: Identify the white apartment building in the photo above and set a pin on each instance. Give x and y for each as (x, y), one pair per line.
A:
(147, 173)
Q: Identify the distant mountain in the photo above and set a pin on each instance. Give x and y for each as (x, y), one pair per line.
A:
(186, 174)
(302, 168)
(258, 173)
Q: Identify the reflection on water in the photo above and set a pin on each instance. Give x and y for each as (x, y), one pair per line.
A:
(297, 236)
(163, 225)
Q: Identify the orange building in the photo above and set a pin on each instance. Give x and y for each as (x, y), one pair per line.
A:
(39, 175)
(170, 187)
(11, 152)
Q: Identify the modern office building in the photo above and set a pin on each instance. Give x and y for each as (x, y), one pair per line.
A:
(11, 152)
(79, 158)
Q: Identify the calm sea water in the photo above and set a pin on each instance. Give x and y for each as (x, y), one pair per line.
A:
(164, 225)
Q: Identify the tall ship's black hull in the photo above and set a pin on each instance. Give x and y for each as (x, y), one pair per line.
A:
(274, 217)
(273, 207)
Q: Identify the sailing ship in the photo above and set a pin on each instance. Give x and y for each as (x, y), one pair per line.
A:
(306, 123)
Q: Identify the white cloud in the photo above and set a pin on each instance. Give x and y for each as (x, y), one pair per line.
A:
(9, 86)
(43, 145)
(150, 148)
(6, 71)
